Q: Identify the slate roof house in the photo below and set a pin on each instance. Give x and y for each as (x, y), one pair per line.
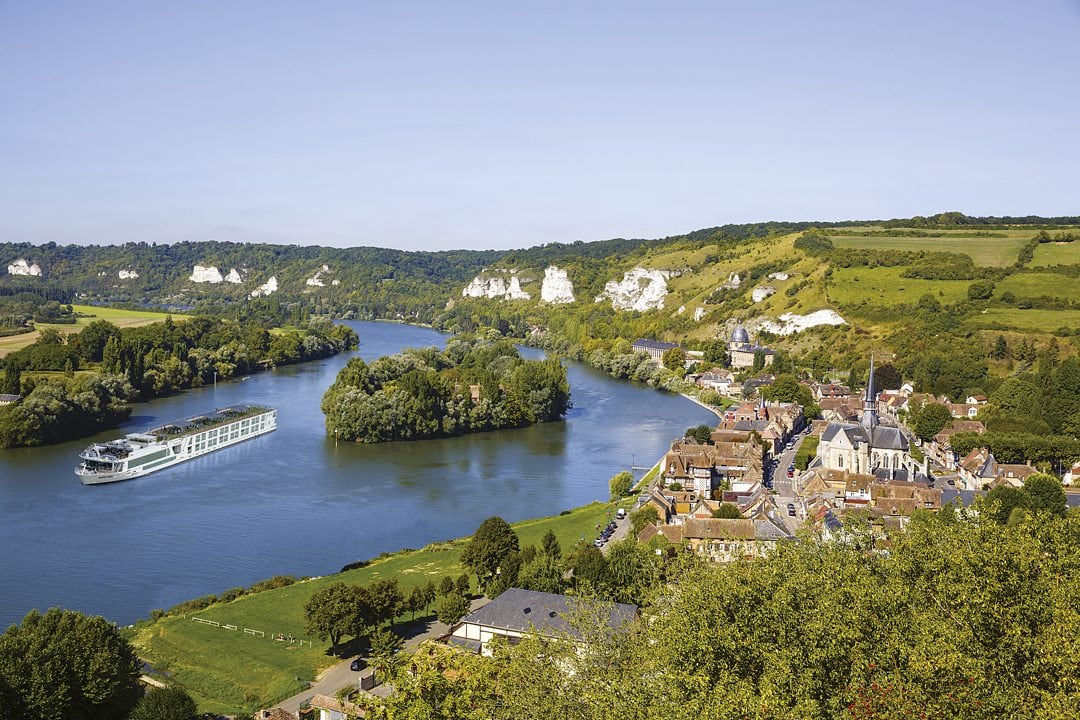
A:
(654, 348)
(518, 613)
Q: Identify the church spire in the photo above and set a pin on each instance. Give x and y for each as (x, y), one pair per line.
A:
(869, 416)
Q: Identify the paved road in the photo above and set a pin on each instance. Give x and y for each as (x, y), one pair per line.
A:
(338, 676)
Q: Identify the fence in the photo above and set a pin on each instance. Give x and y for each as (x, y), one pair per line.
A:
(275, 637)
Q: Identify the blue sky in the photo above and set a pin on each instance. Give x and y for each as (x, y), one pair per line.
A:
(492, 125)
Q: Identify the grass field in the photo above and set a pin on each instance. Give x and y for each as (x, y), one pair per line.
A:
(1033, 285)
(228, 671)
(1057, 254)
(120, 318)
(988, 251)
(884, 286)
(1031, 320)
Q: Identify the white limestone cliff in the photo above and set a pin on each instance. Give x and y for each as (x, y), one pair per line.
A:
(698, 314)
(22, 267)
(205, 274)
(556, 288)
(640, 289)
(127, 274)
(316, 279)
(790, 323)
(760, 293)
(779, 276)
(267, 288)
(233, 277)
(495, 287)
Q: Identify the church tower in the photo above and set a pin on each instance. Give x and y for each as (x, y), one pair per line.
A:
(869, 415)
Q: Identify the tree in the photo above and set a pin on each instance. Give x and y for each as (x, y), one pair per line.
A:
(980, 290)
(646, 515)
(332, 612)
(701, 434)
(489, 547)
(167, 703)
(446, 585)
(1001, 348)
(1004, 499)
(1046, 493)
(887, 377)
(727, 510)
(451, 608)
(385, 646)
(385, 599)
(462, 584)
(621, 484)
(543, 574)
(549, 545)
(588, 565)
(64, 665)
(675, 359)
(931, 419)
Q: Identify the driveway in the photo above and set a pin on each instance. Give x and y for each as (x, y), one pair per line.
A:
(338, 676)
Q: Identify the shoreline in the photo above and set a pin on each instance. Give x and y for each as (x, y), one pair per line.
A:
(710, 408)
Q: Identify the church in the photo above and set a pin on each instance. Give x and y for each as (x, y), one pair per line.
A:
(867, 447)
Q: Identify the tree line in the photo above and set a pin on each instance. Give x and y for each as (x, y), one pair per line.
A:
(139, 364)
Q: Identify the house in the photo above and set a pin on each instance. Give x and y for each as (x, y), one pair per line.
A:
(963, 410)
(517, 613)
(980, 470)
(1072, 477)
(743, 352)
(716, 379)
(654, 348)
(275, 714)
(976, 400)
(941, 446)
(829, 390)
(840, 409)
(722, 539)
(893, 403)
(9, 399)
(330, 708)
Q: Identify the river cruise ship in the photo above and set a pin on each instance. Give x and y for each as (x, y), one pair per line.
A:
(138, 454)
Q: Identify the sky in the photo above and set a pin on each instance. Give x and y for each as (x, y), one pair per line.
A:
(432, 126)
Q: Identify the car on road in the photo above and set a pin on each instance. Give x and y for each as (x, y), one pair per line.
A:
(791, 509)
(790, 473)
(356, 664)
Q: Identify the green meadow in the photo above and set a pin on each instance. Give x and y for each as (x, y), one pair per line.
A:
(1057, 254)
(1031, 320)
(230, 671)
(1033, 285)
(988, 251)
(884, 286)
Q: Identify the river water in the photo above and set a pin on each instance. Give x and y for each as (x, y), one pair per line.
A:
(293, 502)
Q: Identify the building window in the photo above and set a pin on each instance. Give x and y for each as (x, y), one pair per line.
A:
(839, 461)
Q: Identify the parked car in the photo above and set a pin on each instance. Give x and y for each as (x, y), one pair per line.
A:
(356, 664)
(620, 513)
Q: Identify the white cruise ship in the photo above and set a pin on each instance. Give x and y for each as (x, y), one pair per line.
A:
(138, 454)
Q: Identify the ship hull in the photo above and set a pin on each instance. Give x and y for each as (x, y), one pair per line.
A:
(167, 453)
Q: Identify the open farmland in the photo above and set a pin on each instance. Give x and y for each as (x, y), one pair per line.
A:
(1057, 254)
(120, 318)
(987, 251)
(884, 286)
(1033, 285)
(1031, 320)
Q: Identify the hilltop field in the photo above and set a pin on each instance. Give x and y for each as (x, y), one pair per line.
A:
(87, 314)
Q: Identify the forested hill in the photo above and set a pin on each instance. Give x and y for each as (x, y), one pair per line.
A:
(371, 281)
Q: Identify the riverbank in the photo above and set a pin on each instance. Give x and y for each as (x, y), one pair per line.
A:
(715, 411)
(228, 658)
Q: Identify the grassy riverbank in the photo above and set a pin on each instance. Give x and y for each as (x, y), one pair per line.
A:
(229, 671)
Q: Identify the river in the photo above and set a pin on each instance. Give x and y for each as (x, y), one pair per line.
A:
(293, 502)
